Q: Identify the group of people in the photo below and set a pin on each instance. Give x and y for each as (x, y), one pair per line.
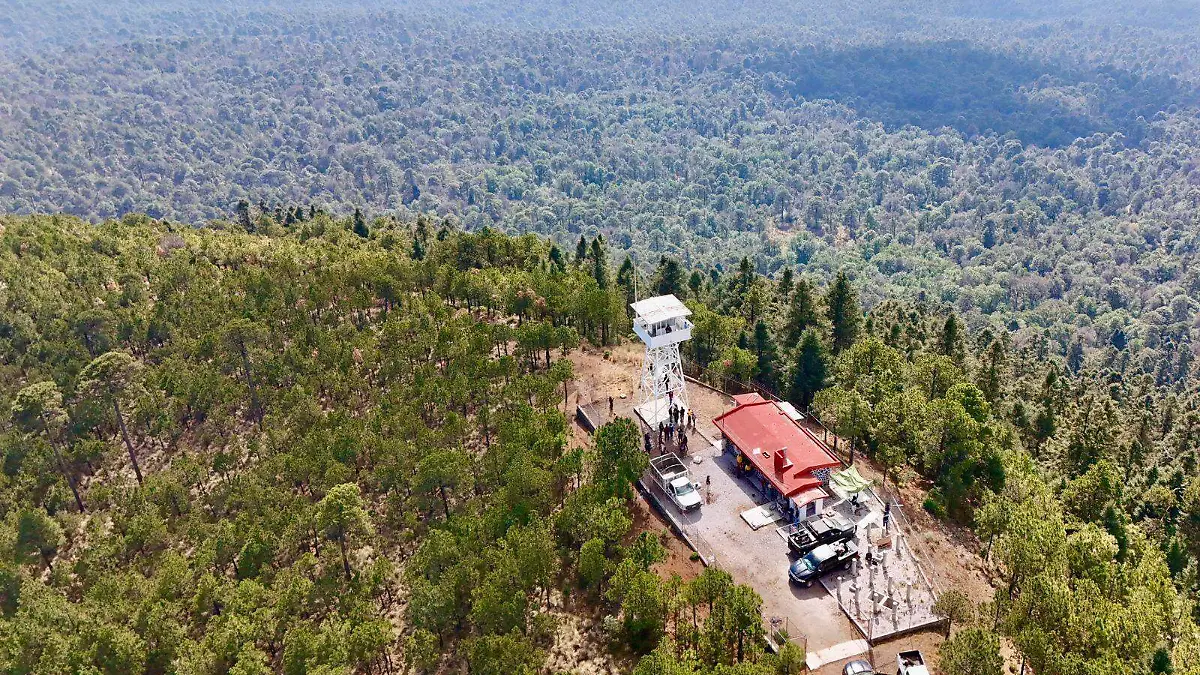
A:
(668, 432)
(681, 418)
(678, 422)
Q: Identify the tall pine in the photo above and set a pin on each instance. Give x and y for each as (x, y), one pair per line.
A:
(786, 282)
(802, 313)
(599, 263)
(360, 224)
(581, 250)
(670, 278)
(764, 349)
(841, 307)
(809, 370)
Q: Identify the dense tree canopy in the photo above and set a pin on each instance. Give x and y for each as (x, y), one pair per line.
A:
(304, 415)
(1026, 166)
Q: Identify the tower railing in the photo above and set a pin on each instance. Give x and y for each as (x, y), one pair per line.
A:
(663, 334)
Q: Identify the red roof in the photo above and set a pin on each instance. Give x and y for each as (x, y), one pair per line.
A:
(783, 452)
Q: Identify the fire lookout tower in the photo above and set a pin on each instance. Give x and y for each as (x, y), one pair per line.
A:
(662, 324)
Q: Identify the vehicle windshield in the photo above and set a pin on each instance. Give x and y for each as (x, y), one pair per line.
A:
(684, 489)
(808, 563)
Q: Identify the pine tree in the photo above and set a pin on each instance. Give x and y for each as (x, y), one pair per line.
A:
(745, 277)
(974, 651)
(108, 379)
(581, 250)
(599, 263)
(1075, 356)
(239, 336)
(1119, 340)
(670, 278)
(764, 348)
(628, 283)
(38, 408)
(810, 369)
(243, 215)
(992, 372)
(342, 514)
(557, 264)
(619, 456)
(1161, 664)
(955, 607)
(360, 224)
(802, 313)
(785, 283)
(696, 283)
(949, 343)
(841, 307)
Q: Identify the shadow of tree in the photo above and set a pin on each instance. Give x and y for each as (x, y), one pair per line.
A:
(953, 84)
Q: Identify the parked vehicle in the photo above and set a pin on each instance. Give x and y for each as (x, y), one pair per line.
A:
(821, 560)
(673, 477)
(826, 529)
(911, 663)
(858, 667)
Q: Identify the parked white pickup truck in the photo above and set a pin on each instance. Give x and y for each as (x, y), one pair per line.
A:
(673, 477)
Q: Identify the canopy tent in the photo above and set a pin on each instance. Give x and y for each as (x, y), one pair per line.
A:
(849, 481)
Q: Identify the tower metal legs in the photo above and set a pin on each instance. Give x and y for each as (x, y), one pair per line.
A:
(662, 382)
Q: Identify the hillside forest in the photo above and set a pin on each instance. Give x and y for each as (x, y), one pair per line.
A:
(1031, 166)
(289, 290)
(338, 445)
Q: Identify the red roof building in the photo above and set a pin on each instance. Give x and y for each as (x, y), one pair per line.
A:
(787, 456)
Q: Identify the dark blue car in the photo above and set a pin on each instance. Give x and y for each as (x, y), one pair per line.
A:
(820, 560)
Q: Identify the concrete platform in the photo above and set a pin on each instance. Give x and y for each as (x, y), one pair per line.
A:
(654, 412)
(889, 598)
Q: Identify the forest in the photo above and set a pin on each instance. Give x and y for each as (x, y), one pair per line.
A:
(1032, 167)
(288, 291)
(327, 444)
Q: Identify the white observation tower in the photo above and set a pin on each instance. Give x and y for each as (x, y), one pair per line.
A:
(662, 324)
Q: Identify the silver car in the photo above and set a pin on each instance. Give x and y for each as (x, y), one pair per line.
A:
(858, 667)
